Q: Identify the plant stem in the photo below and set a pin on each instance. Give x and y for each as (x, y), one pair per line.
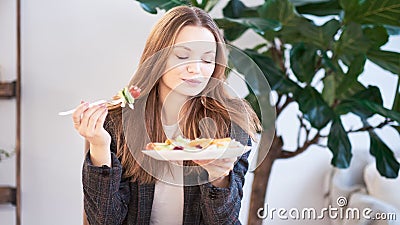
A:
(288, 154)
(279, 109)
(277, 56)
(396, 94)
(261, 176)
(369, 127)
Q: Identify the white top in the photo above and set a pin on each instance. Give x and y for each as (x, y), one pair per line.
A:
(168, 197)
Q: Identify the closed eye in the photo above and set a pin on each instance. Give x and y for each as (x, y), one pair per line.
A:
(208, 57)
(182, 57)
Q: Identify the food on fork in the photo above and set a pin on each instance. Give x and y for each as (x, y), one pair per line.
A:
(128, 96)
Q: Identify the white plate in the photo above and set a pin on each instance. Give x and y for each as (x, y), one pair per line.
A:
(209, 153)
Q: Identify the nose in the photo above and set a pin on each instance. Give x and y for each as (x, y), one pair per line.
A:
(194, 67)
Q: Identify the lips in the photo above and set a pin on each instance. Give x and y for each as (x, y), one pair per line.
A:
(192, 81)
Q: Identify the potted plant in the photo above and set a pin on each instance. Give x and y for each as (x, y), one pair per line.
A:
(316, 67)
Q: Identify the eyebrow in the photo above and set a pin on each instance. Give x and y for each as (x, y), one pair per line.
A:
(181, 46)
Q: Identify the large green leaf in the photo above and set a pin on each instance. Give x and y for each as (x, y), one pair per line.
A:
(259, 25)
(276, 79)
(252, 99)
(365, 108)
(349, 83)
(303, 59)
(372, 11)
(352, 42)
(396, 102)
(382, 111)
(339, 144)
(360, 103)
(151, 6)
(397, 128)
(392, 30)
(232, 30)
(259, 89)
(329, 90)
(377, 36)
(329, 29)
(266, 111)
(320, 36)
(386, 59)
(330, 64)
(355, 87)
(237, 9)
(314, 108)
(324, 8)
(256, 68)
(348, 5)
(337, 84)
(208, 5)
(371, 93)
(280, 10)
(386, 162)
(284, 12)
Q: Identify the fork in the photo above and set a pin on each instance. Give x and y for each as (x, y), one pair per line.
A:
(99, 102)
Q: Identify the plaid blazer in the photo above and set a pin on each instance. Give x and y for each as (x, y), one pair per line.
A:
(109, 199)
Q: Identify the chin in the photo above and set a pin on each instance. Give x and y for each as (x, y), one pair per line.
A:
(189, 93)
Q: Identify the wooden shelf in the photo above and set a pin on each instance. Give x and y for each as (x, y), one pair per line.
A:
(8, 195)
(8, 90)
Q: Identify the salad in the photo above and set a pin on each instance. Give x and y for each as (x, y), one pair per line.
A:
(198, 144)
(127, 96)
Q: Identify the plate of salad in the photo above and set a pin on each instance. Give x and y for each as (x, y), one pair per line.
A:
(197, 149)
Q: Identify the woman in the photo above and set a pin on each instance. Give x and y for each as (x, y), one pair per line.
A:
(181, 74)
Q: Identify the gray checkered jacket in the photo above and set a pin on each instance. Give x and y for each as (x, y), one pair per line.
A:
(109, 199)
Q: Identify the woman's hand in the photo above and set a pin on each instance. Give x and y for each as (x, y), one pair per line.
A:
(218, 170)
(89, 121)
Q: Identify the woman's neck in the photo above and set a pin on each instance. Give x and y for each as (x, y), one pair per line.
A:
(172, 105)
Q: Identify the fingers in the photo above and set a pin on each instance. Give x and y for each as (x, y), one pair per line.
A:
(101, 119)
(203, 162)
(88, 114)
(217, 168)
(93, 121)
(89, 119)
(226, 165)
(217, 162)
(76, 116)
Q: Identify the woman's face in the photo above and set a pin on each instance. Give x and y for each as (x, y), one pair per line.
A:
(191, 62)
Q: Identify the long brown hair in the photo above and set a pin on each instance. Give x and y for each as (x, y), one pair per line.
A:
(133, 129)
